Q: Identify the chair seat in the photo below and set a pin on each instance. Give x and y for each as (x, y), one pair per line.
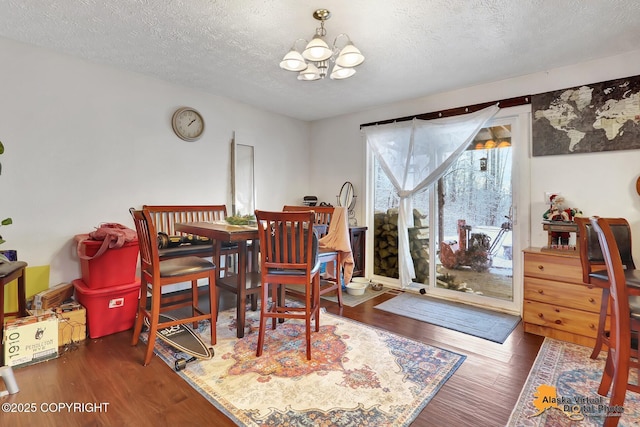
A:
(184, 265)
(631, 276)
(291, 272)
(634, 306)
(8, 268)
(326, 252)
(194, 250)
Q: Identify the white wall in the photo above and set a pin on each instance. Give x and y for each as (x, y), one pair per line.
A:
(598, 183)
(84, 142)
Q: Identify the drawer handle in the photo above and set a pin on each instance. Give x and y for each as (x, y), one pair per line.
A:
(541, 267)
(558, 322)
(540, 291)
(592, 300)
(592, 326)
(540, 315)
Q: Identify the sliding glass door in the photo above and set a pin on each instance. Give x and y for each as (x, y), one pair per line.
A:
(474, 218)
(463, 242)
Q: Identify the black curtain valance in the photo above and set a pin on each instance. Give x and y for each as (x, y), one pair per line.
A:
(503, 103)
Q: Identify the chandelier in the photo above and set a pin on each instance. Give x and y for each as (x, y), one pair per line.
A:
(313, 62)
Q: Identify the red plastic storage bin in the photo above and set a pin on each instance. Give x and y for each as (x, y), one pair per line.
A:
(115, 267)
(109, 310)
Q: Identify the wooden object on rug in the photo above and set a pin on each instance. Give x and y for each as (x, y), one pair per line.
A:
(289, 256)
(622, 354)
(156, 274)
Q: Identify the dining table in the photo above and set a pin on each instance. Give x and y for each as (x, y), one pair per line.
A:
(246, 280)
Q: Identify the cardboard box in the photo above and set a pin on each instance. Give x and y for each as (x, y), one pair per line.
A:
(31, 339)
(52, 297)
(72, 322)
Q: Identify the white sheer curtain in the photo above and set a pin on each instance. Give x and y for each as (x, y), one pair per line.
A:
(413, 155)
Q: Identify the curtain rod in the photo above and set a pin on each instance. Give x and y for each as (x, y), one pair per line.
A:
(503, 103)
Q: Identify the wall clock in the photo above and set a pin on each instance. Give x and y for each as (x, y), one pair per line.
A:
(188, 124)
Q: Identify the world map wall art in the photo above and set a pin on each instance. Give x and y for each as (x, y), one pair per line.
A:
(585, 119)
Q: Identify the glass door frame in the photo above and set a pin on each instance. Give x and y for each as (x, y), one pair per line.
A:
(520, 120)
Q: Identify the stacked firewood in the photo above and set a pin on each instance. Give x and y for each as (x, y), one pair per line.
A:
(386, 245)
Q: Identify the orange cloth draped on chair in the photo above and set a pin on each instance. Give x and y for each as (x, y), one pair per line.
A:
(337, 239)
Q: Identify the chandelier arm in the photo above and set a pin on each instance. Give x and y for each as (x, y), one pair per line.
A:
(335, 41)
(295, 44)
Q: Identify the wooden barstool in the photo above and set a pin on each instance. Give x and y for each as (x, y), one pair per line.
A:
(10, 271)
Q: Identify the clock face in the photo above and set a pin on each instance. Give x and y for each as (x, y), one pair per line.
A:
(188, 124)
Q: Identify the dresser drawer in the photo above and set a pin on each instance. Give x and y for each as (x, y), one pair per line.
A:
(580, 297)
(557, 268)
(561, 318)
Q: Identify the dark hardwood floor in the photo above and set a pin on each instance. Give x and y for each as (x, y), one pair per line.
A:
(106, 375)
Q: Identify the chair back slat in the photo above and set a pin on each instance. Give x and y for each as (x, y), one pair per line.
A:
(322, 214)
(287, 240)
(590, 246)
(615, 270)
(147, 240)
(165, 217)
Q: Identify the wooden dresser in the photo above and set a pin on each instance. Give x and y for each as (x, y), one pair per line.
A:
(556, 302)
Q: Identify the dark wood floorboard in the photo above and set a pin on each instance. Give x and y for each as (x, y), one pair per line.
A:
(107, 372)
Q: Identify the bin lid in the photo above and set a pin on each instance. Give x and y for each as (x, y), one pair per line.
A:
(82, 288)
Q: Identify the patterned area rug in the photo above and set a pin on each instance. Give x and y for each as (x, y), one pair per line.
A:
(490, 325)
(562, 390)
(359, 375)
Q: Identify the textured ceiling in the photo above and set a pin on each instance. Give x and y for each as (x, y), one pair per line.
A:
(413, 48)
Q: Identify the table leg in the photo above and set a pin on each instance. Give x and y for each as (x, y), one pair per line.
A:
(242, 287)
(22, 294)
(22, 302)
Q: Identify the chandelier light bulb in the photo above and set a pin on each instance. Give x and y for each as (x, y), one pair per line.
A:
(339, 73)
(310, 73)
(293, 61)
(317, 50)
(349, 56)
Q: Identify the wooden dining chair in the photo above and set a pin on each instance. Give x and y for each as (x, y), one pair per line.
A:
(322, 216)
(10, 271)
(622, 353)
(175, 244)
(288, 256)
(322, 220)
(156, 274)
(594, 271)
